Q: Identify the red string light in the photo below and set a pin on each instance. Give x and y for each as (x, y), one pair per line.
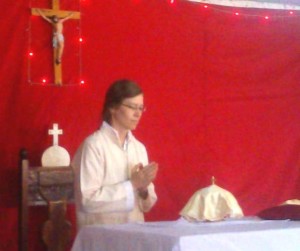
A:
(44, 81)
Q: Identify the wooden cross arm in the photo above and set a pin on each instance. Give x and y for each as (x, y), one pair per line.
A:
(58, 13)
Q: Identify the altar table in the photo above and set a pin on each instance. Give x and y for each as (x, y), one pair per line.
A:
(247, 234)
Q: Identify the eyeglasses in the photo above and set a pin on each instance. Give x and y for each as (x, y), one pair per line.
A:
(140, 108)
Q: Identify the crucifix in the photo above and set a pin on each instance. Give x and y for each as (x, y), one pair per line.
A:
(56, 16)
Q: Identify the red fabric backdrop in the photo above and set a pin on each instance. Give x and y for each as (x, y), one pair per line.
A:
(222, 92)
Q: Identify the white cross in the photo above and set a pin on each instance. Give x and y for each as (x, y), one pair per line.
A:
(55, 132)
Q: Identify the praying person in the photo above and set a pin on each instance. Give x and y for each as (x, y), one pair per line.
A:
(113, 178)
(58, 37)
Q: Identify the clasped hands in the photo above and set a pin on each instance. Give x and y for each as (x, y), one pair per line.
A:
(142, 176)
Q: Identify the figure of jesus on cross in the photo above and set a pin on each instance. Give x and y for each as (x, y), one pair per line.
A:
(56, 17)
(58, 37)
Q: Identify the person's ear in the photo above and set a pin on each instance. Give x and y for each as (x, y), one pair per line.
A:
(112, 110)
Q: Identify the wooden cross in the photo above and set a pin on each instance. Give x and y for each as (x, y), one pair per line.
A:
(60, 14)
(55, 132)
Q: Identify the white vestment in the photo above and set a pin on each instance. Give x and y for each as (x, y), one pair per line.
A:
(103, 192)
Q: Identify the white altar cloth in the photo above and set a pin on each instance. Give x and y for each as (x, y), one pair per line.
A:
(247, 234)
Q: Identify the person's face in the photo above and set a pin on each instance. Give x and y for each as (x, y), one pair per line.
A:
(127, 116)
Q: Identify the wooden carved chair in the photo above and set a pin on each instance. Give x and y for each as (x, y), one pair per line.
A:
(48, 186)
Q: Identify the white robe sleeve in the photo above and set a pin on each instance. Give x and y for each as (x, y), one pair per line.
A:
(95, 196)
(146, 204)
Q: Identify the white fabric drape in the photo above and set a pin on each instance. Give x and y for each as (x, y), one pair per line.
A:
(263, 4)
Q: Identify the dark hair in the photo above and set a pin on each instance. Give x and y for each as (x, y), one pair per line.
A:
(116, 93)
(55, 18)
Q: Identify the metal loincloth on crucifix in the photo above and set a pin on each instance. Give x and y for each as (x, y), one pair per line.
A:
(48, 14)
